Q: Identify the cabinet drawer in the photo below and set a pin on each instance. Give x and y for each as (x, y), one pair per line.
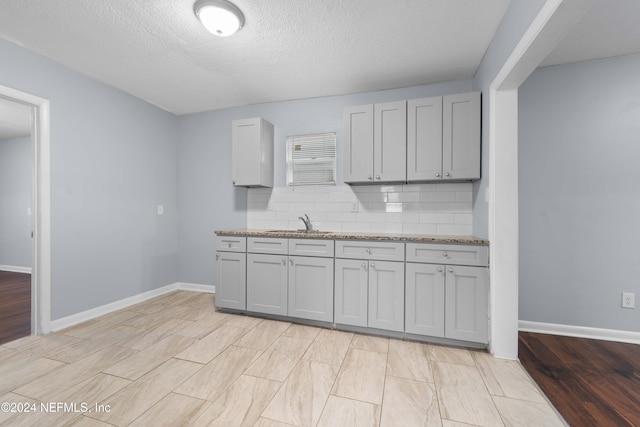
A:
(384, 251)
(448, 254)
(231, 243)
(311, 247)
(267, 245)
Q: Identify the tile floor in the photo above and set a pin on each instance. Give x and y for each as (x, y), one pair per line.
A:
(173, 361)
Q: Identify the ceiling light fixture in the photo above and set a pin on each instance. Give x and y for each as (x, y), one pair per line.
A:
(220, 17)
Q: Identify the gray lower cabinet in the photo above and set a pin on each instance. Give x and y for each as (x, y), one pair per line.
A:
(370, 294)
(311, 288)
(267, 282)
(386, 295)
(231, 280)
(467, 303)
(351, 292)
(448, 301)
(425, 308)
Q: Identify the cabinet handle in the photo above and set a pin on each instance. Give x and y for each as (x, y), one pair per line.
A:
(437, 175)
(377, 176)
(440, 269)
(369, 177)
(447, 174)
(445, 254)
(369, 251)
(284, 261)
(450, 270)
(364, 265)
(217, 257)
(291, 261)
(373, 265)
(229, 244)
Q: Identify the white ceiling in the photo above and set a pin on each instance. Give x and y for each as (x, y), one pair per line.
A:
(289, 49)
(610, 28)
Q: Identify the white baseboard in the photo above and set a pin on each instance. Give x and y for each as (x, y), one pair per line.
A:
(15, 269)
(83, 316)
(580, 331)
(211, 289)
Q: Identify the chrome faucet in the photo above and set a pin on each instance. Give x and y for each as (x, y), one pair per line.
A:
(307, 222)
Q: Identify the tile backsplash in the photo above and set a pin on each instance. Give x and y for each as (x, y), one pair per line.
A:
(410, 208)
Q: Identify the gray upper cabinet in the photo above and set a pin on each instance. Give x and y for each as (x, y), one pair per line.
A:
(424, 139)
(461, 136)
(428, 139)
(358, 144)
(252, 152)
(390, 142)
(375, 143)
(443, 138)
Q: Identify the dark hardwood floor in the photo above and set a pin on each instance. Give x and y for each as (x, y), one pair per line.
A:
(590, 382)
(15, 306)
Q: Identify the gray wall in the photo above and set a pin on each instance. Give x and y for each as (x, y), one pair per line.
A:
(579, 156)
(15, 200)
(207, 199)
(514, 24)
(112, 161)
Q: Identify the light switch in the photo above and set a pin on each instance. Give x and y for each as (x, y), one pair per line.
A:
(160, 210)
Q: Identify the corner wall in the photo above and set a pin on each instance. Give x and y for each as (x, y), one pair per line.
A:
(112, 161)
(579, 199)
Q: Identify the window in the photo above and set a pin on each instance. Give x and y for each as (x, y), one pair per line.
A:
(311, 159)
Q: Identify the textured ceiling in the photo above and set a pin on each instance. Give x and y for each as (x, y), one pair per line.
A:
(288, 49)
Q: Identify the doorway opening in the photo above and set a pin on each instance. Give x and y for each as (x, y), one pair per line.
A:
(16, 252)
(40, 206)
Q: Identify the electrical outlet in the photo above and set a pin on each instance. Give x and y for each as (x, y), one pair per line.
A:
(354, 207)
(160, 210)
(628, 300)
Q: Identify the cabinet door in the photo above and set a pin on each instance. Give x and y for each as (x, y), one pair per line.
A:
(267, 283)
(467, 303)
(424, 299)
(358, 144)
(231, 280)
(245, 136)
(461, 136)
(252, 152)
(390, 142)
(351, 292)
(311, 288)
(424, 139)
(386, 295)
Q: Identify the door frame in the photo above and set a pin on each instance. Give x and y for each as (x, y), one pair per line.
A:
(550, 26)
(41, 207)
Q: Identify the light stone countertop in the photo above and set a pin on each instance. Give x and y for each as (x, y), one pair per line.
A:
(345, 235)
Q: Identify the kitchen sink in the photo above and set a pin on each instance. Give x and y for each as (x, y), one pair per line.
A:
(298, 231)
